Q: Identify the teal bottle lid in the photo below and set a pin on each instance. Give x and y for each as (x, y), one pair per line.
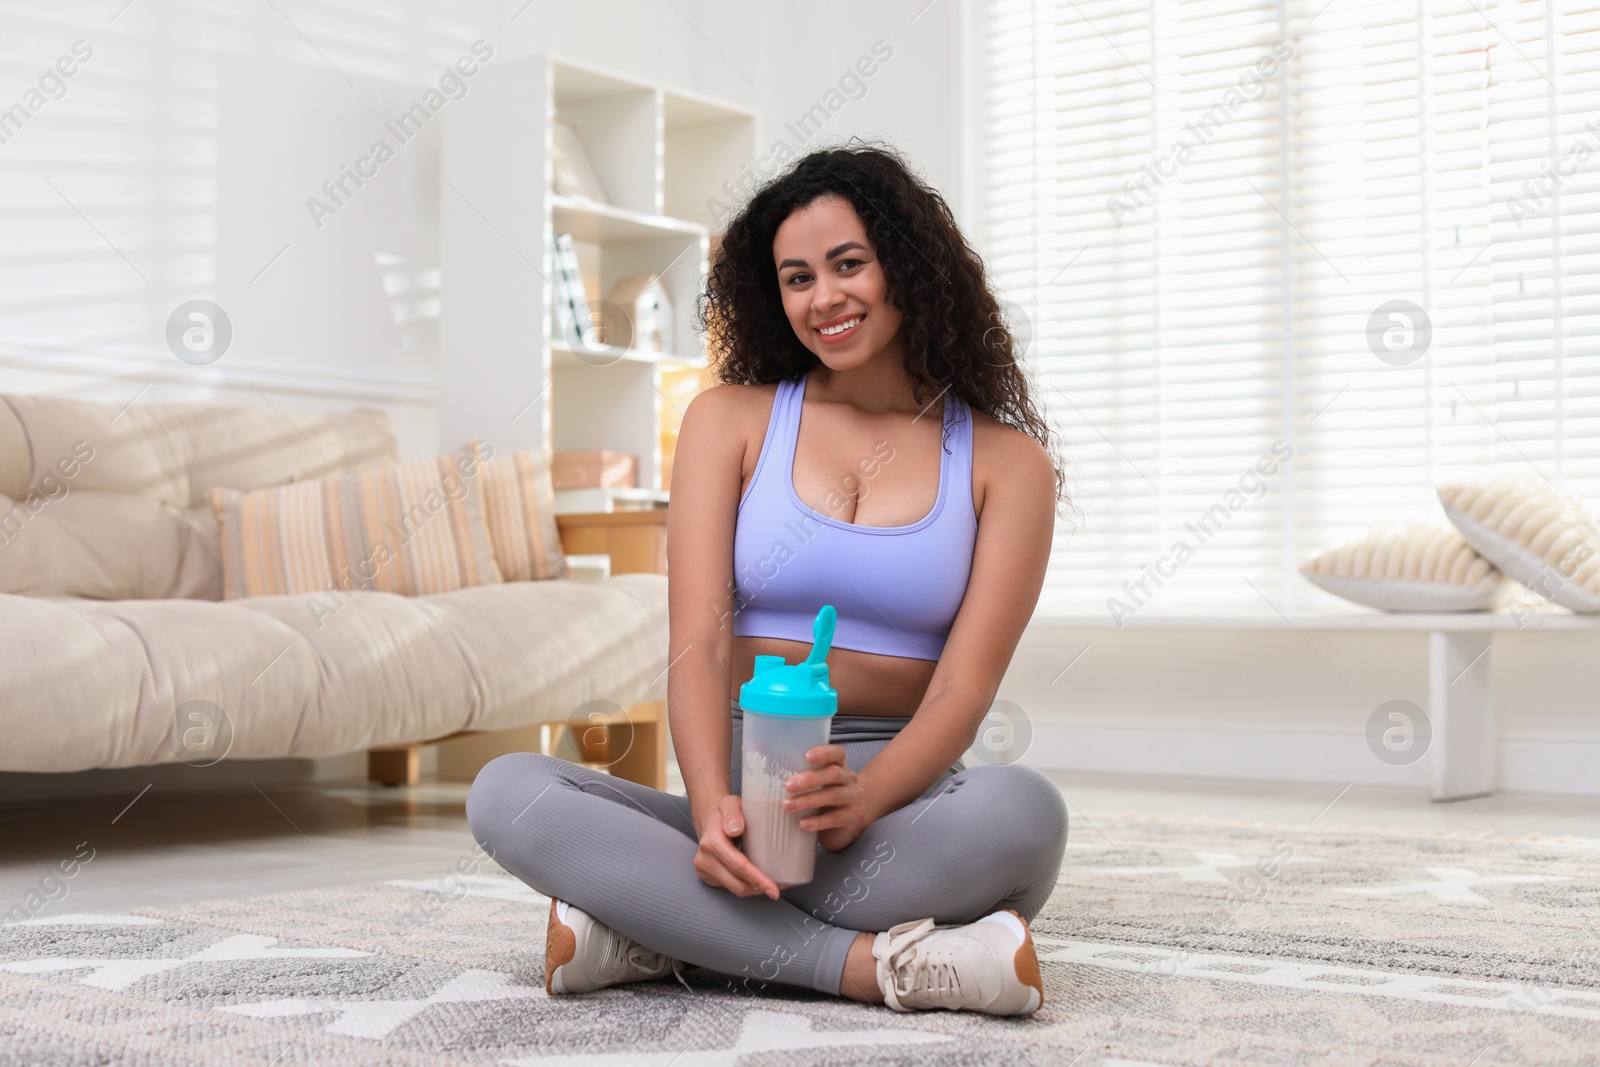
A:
(798, 690)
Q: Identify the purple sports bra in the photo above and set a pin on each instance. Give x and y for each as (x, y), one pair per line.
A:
(896, 588)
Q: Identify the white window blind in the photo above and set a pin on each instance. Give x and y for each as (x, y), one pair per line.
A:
(1200, 205)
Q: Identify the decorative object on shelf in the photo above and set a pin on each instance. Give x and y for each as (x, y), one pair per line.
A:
(519, 508)
(415, 529)
(1545, 539)
(646, 319)
(1410, 568)
(575, 173)
(569, 298)
(601, 468)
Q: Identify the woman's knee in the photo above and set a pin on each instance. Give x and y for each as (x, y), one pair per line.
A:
(503, 790)
(1018, 809)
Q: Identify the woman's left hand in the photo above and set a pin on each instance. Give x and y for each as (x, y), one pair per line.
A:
(838, 805)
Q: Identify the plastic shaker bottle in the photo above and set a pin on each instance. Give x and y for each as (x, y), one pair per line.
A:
(788, 709)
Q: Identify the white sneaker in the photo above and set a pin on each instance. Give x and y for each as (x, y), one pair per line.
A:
(986, 966)
(582, 954)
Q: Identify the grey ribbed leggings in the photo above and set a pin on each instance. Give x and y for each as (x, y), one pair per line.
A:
(979, 839)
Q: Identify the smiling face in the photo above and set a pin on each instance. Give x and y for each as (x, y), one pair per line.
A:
(832, 284)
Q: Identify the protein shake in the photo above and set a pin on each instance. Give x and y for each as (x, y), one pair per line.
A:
(788, 710)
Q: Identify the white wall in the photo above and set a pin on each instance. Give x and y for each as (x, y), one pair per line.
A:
(177, 165)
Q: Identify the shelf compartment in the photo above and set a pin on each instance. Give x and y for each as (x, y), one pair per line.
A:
(619, 123)
(679, 258)
(705, 157)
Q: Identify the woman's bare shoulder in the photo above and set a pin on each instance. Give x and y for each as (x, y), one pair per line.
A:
(1003, 455)
(733, 414)
(1006, 443)
(733, 408)
(727, 398)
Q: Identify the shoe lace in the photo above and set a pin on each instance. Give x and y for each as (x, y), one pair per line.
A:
(917, 967)
(624, 955)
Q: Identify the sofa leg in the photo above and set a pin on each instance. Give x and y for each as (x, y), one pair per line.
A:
(401, 765)
(461, 759)
(643, 742)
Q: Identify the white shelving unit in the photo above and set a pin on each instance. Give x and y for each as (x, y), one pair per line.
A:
(662, 156)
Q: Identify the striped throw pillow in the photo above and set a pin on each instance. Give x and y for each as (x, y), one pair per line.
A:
(414, 529)
(519, 502)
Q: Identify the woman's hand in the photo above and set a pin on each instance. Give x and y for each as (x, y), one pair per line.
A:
(839, 801)
(719, 861)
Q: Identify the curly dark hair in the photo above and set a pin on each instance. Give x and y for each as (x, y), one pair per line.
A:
(953, 331)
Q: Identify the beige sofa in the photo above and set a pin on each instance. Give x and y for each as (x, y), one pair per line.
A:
(113, 633)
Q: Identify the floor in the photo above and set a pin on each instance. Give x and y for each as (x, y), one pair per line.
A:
(162, 850)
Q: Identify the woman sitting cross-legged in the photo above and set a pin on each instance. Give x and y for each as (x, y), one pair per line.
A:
(872, 445)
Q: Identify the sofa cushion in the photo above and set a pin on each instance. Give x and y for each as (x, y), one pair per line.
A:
(175, 452)
(109, 546)
(519, 504)
(96, 684)
(14, 456)
(414, 529)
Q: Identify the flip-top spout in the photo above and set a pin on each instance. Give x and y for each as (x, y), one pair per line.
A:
(779, 688)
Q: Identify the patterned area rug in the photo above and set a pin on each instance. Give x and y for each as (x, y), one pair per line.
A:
(1167, 942)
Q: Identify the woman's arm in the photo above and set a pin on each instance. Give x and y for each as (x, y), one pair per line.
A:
(706, 475)
(1008, 569)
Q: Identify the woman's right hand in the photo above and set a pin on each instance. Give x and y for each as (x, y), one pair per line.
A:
(719, 862)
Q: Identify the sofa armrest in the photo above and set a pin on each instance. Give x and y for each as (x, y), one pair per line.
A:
(635, 540)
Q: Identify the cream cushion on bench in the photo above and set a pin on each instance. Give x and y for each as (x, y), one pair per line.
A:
(1412, 568)
(1543, 538)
